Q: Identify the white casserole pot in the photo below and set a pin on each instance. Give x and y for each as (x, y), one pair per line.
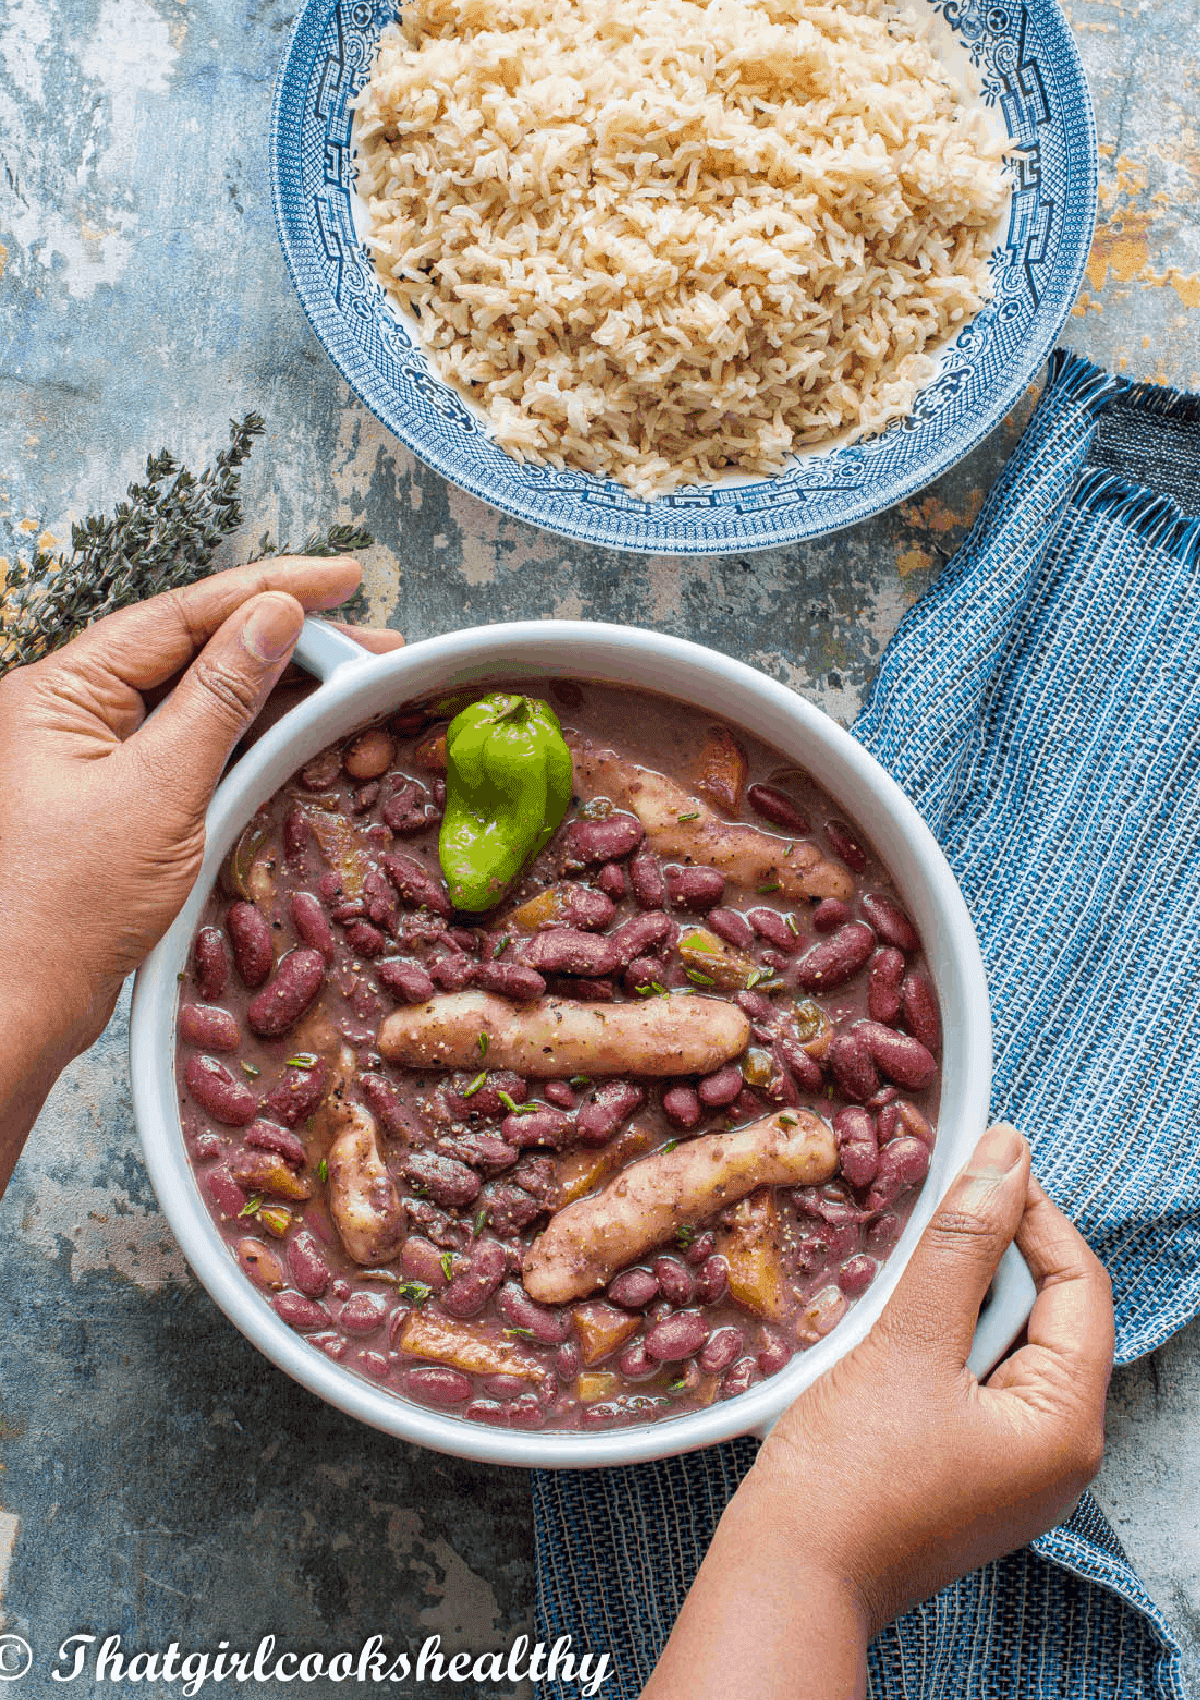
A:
(357, 687)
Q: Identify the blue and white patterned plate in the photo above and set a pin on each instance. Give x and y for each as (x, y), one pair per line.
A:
(1031, 76)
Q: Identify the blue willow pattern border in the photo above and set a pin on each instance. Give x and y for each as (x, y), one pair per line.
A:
(1029, 69)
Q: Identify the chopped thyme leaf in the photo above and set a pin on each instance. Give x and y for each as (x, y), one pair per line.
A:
(514, 1108)
(482, 1043)
(303, 1059)
(480, 1223)
(322, 1171)
(447, 1262)
(791, 921)
(475, 1085)
(251, 1207)
(670, 1145)
(685, 1235)
(767, 886)
(524, 1333)
(694, 815)
(502, 946)
(788, 1121)
(754, 977)
(699, 979)
(416, 1292)
(679, 1386)
(578, 1080)
(249, 1069)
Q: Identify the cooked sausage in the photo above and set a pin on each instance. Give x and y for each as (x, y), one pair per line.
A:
(674, 1035)
(588, 1241)
(363, 1201)
(682, 827)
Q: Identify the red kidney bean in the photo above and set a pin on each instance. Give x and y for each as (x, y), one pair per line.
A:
(674, 1281)
(322, 771)
(485, 1101)
(363, 1313)
(633, 1289)
(510, 980)
(677, 1336)
(301, 1313)
(225, 1193)
(365, 798)
(218, 1094)
(642, 936)
(385, 1104)
(774, 806)
(901, 1057)
(696, 889)
(568, 1361)
(307, 1265)
(374, 1363)
(921, 1015)
(612, 882)
(643, 974)
(700, 1249)
(712, 1279)
(635, 1362)
(344, 913)
(312, 923)
(418, 887)
(853, 1066)
(407, 810)
(889, 921)
(856, 1275)
(503, 1386)
(770, 925)
(902, 1117)
(722, 1346)
(646, 878)
(286, 996)
(836, 960)
(830, 914)
(406, 981)
(453, 973)
(296, 1095)
(421, 1260)
(206, 1148)
(903, 1163)
(885, 1095)
(295, 833)
(265, 1136)
(519, 1415)
(844, 844)
(250, 936)
(681, 1106)
(732, 926)
(760, 1009)
(883, 990)
(548, 1326)
(366, 940)
(584, 990)
(471, 1288)
(806, 1073)
(437, 1384)
(567, 950)
(580, 906)
(600, 1117)
(546, 1127)
(772, 1356)
(722, 1088)
(480, 1149)
(210, 963)
(369, 754)
(830, 1203)
(557, 1092)
(858, 1146)
(883, 1233)
(740, 1379)
(608, 840)
(448, 1183)
(209, 1027)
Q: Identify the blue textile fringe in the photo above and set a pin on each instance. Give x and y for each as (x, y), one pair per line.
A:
(1038, 707)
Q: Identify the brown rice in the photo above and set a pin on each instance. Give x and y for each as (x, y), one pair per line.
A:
(665, 240)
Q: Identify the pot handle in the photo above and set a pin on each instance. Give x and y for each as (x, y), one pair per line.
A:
(1005, 1312)
(323, 651)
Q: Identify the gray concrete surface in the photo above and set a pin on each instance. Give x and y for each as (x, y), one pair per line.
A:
(157, 1478)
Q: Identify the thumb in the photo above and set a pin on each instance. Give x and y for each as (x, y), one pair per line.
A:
(936, 1303)
(188, 740)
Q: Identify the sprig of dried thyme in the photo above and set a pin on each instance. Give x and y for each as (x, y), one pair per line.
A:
(162, 538)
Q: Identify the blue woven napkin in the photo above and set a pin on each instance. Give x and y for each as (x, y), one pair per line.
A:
(1039, 707)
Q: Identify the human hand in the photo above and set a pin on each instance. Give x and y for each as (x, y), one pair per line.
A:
(102, 809)
(905, 1472)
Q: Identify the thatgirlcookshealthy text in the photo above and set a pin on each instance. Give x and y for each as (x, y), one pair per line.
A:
(105, 1659)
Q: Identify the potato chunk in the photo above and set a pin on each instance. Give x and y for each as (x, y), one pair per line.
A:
(752, 1249)
(588, 1241)
(469, 1346)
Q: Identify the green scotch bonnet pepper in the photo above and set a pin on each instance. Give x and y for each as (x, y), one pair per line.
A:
(508, 783)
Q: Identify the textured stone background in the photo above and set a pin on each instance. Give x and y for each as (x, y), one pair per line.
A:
(158, 1477)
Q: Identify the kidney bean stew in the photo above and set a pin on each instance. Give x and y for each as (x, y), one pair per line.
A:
(618, 1146)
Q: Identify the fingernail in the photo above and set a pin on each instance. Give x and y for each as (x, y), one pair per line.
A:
(272, 627)
(999, 1151)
